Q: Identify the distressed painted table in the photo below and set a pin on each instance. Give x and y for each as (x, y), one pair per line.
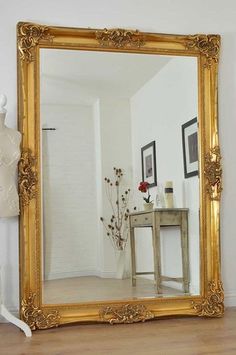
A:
(161, 217)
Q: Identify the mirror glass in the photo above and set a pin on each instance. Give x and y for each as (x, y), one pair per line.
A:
(110, 121)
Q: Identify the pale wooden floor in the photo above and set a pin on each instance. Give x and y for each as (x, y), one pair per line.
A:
(185, 336)
(91, 288)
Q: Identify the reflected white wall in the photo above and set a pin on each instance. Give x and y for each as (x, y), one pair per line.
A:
(88, 142)
(69, 190)
(158, 110)
(116, 151)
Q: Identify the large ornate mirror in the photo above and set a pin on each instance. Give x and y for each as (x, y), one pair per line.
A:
(120, 175)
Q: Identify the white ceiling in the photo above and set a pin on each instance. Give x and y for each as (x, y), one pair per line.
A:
(75, 77)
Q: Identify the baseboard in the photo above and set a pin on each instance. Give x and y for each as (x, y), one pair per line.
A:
(81, 273)
(64, 275)
(107, 274)
(13, 311)
(230, 299)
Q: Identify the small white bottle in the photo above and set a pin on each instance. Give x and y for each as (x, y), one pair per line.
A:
(169, 203)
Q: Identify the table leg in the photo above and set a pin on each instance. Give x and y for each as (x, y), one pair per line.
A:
(185, 251)
(156, 250)
(133, 259)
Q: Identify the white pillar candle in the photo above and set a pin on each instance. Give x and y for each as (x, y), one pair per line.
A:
(169, 194)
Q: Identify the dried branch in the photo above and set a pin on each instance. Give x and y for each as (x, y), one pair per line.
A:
(117, 228)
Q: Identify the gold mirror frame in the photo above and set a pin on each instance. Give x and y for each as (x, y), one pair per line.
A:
(30, 38)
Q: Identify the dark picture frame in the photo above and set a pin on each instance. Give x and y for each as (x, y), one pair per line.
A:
(148, 159)
(190, 147)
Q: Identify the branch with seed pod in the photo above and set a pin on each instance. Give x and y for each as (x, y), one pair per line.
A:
(117, 228)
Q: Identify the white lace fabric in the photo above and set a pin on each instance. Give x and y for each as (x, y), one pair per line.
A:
(9, 157)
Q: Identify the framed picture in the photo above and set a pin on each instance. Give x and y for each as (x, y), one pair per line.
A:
(148, 157)
(190, 147)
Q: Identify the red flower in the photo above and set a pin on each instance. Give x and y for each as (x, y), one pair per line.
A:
(143, 186)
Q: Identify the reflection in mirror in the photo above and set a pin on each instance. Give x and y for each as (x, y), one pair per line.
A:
(101, 110)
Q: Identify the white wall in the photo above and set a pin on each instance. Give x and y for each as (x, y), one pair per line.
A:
(75, 243)
(115, 135)
(163, 16)
(158, 110)
(69, 190)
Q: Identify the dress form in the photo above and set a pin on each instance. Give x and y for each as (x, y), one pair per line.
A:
(9, 200)
(9, 157)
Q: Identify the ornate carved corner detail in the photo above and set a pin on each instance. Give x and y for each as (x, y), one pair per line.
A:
(208, 45)
(213, 173)
(35, 317)
(27, 177)
(126, 314)
(120, 38)
(213, 304)
(28, 36)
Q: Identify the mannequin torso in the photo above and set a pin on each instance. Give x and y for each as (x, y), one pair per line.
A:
(9, 201)
(9, 157)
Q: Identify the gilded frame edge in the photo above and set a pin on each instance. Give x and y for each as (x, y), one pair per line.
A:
(30, 38)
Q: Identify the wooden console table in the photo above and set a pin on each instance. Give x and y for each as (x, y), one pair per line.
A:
(161, 217)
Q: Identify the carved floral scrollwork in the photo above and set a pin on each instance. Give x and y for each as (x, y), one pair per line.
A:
(213, 304)
(27, 177)
(35, 317)
(126, 314)
(29, 35)
(208, 45)
(213, 173)
(120, 38)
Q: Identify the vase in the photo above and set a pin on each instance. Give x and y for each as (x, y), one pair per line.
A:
(159, 196)
(148, 206)
(122, 271)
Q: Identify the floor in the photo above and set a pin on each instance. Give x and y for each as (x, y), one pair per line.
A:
(184, 336)
(92, 288)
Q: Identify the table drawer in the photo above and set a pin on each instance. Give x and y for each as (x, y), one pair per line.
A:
(170, 218)
(141, 220)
